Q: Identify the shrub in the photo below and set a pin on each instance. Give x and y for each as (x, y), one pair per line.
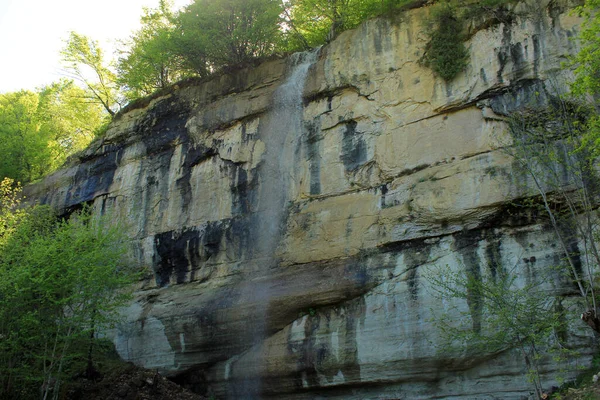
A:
(446, 54)
(61, 281)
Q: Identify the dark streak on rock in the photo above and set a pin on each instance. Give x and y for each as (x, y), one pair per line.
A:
(413, 258)
(493, 255)
(94, 177)
(354, 147)
(184, 251)
(466, 244)
(526, 93)
(313, 152)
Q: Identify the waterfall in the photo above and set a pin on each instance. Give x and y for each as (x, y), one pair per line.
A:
(280, 130)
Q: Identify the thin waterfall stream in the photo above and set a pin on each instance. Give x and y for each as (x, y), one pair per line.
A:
(281, 131)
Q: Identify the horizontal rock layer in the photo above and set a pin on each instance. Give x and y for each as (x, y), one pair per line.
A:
(294, 225)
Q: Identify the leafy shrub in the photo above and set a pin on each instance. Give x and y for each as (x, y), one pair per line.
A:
(61, 281)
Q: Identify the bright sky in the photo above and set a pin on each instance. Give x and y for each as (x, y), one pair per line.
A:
(32, 33)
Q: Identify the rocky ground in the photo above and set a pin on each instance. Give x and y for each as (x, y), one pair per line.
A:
(134, 383)
(587, 392)
(130, 383)
(587, 386)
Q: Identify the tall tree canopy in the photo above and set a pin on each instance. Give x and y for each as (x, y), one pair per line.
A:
(23, 144)
(318, 20)
(209, 35)
(39, 130)
(314, 22)
(149, 61)
(72, 120)
(213, 34)
(84, 61)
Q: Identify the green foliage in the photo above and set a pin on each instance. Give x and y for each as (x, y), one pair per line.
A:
(547, 146)
(150, 61)
(72, 121)
(61, 282)
(23, 146)
(587, 67)
(506, 310)
(84, 61)
(10, 213)
(39, 130)
(215, 34)
(313, 22)
(488, 8)
(212, 35)
(588, 59)
(446, 54)
(584, 387)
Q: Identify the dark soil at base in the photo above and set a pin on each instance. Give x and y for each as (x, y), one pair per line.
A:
(129, 383)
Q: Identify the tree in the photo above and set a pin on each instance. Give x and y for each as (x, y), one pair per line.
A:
(558, 148)
(213, 34)
(24, 147)
(72, 121)
(587, 61)
(61, 282)
(548, 147)
(39, 130)
(84, 61)
(314, 22)
(150, 61)
(587, 65)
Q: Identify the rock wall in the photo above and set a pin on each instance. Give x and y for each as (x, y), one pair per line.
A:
(291, 244)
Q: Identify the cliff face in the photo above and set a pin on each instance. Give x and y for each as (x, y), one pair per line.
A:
(292, 215)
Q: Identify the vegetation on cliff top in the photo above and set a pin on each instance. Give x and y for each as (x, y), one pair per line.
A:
(38, 130)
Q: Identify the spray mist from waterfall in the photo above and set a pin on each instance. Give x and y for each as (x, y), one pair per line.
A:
(281, 131)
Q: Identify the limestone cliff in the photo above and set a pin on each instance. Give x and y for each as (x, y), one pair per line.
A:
(290, 214)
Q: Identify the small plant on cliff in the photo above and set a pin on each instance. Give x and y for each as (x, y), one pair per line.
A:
(494, 9)
(446, 53)
(61, 281)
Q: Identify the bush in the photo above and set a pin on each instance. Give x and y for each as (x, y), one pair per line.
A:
(446, 54)
(61, 281)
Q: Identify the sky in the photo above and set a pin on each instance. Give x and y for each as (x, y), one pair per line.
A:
(32, 33)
